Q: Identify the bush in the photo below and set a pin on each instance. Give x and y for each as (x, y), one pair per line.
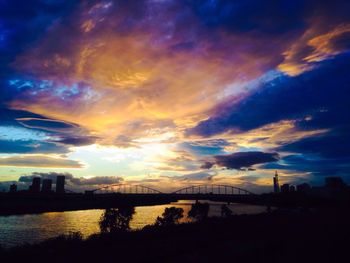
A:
(170, 216)
(116, 219)
(199, 211)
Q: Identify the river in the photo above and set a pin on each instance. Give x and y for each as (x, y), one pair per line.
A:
(32, 228)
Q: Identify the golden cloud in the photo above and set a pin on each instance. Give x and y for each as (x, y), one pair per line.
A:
(39, 161)
(313, 47)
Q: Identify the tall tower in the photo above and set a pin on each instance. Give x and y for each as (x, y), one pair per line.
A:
(276, 185)
(46, 186)
(35, 187)
(60, 184)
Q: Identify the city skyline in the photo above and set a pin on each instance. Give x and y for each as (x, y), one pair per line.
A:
(174, 93)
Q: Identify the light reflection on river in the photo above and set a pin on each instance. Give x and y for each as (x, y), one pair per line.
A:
(18, 229)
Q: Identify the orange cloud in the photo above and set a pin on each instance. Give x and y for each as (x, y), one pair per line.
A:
(39, 161)
(314, 47)
(147, 74)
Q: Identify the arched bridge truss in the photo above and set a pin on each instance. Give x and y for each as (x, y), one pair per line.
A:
(126, 189)
(216, 189)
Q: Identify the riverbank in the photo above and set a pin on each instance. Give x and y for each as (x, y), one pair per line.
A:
(283, 236)
(28, 203)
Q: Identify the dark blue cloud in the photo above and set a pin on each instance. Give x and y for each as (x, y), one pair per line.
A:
(241, 160)
(23, 22)
(269, 16)
(322, 92)
(272, 17)
(47, 124)
(332, 145)
(9, 116)
(30, 146)
(77, 140)
(316, 166)
(57, 136)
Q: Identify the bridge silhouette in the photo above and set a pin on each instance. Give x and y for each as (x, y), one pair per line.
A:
(214, 192)
(215, 189)
(126, 189)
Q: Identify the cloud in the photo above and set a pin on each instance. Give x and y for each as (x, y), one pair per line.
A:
(204, 146)
(26, 132)
(47, 124)
(30, 146)
(71, 140)
(39, 161)
(97, 180)
(8, 116)
(232, 76)
(330, 145)
(316, 166)
(199, 176)
(287, 98)
(80, 80)
(315, 47)
(268, 17)
(241, 160)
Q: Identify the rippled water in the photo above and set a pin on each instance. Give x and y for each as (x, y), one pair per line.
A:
(18, 229)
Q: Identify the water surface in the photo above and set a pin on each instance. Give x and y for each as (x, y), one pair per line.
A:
(18, 229)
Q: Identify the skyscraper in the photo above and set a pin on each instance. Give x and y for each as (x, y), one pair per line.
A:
(60, 184)
(285, 188)
(276, 185)
(35, 187)
(47, 186)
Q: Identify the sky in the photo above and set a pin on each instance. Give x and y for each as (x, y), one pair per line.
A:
(173, 93)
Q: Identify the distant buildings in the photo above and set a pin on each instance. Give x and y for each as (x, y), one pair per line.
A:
(60, 180)
(303, 187)
(13, 188)
(276, 186)
(292, 188)
(47, 186)
(334, 182)
(35, 187)
(333, 189)
(285, 188)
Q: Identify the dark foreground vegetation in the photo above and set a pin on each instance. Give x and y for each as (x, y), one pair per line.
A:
(280, 236)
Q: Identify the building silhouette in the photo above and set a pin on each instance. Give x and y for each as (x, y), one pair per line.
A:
(35, 187)
(46, 186)
(13, 188)
(292, 188)
(276, 185)
(334, 182)
(60, 179)
(285, 188)
(303, 187)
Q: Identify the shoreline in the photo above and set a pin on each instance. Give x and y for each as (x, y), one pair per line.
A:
(267, 237)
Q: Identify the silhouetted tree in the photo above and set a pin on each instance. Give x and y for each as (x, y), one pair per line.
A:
(170, 216)
(116, 219)
(199, 211)
(225, 211)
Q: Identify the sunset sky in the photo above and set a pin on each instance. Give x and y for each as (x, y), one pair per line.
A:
(170, 93)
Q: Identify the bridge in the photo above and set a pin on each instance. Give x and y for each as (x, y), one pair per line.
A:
(213, 189)
(126, 189)
(214, 192)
